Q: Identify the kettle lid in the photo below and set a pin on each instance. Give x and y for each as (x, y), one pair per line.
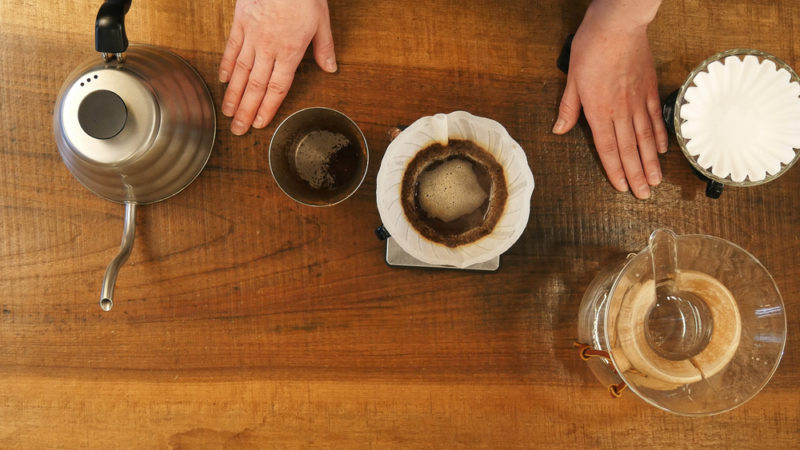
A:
(107, 113)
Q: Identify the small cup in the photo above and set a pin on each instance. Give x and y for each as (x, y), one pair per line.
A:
(318, 156)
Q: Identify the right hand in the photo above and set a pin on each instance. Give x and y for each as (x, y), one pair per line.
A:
(612, 77)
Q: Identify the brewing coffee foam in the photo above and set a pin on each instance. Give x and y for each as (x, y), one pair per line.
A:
(454, 194)
(313, 157)
(397, 176)
(450, 191)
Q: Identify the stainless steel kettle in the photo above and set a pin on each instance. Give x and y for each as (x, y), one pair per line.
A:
(134, 125)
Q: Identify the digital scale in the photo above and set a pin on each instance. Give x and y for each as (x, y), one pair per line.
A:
(397, 257)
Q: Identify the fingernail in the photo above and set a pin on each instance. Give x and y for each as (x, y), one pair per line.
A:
(662, 148)
(227, 109)
(656, 177)
(238, 127)
(623, 183)
(223, 76)
(259, 122)
(559, 126)
(330, 64)
(643, 191)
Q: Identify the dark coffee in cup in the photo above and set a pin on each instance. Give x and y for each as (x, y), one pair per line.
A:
(454, 194)
(326, 160)
(318, 156)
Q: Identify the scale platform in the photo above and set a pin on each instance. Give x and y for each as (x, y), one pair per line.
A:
(397, 257)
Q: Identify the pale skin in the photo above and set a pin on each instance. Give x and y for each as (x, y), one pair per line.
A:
(267, 41)
(612, 77)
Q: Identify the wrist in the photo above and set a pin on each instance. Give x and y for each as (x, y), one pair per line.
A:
(623, 15)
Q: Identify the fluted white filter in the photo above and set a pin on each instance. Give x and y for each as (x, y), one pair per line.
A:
(440, 128)
(742, 118)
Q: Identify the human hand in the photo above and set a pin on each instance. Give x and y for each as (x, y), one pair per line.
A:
(267, 41)
(611, 74)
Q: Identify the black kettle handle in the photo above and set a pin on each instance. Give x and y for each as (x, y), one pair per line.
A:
(109, 28)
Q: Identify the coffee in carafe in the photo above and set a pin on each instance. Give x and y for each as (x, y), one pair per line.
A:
(692, 324)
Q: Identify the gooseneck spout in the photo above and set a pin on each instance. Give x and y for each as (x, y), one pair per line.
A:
(128, 233)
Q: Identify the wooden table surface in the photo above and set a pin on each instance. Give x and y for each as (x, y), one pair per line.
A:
(246, 320)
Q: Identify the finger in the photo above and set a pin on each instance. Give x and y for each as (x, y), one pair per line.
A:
(232, 49)
(253, 94)
(629, 156)
(645, 140)
(277, 88)
(606, 143)
(323, 46)
(569, 110)
(657, 120)
(239, 77)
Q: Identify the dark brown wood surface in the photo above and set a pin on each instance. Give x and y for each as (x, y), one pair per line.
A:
(246, 320)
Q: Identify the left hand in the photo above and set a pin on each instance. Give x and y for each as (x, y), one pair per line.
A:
(267, 41)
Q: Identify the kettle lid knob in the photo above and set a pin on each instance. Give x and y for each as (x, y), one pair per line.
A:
(102, 114)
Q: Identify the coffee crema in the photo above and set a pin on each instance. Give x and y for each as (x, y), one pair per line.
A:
(454, 194)
(325, 160)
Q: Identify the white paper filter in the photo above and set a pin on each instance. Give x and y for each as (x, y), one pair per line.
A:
(742, 118)
(441, 128)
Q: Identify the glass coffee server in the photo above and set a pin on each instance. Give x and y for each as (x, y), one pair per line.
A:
(692, 324)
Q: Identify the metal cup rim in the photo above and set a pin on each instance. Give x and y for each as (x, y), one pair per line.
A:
(293, 116)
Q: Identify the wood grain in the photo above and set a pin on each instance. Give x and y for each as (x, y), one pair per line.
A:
(245, 320)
